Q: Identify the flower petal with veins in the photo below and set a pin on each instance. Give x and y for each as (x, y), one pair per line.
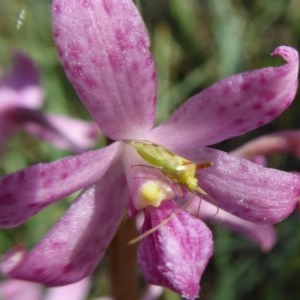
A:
(176, 255)
(232, 106)
(245, 189)
(24, 193)
(73, 248)
(110, 66)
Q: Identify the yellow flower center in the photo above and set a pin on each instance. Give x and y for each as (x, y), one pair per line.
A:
(153, 192)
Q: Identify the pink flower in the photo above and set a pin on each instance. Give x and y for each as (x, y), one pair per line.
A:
(103, 46)
(13, 289)
(21, 98)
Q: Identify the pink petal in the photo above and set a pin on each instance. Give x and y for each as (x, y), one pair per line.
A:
(232, 106)
(64, 132)
(24, 73)
(24, 193)
(75, 291)
(259, 159)
(103, 46)
(73, 248)
(20, 89)
(263, 235)
(287, 141)
(245, 189)
(153, 292)
(18, 289)
(30, 97)
(176, 255)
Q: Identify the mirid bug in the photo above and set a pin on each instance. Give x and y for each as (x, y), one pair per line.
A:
(178, 169)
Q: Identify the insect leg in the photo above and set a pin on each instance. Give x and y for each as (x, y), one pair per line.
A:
(152, 230)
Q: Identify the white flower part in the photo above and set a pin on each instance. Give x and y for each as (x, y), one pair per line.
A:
(15, 258)
(152, 193)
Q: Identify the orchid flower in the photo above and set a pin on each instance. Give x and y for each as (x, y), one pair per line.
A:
(104, 48)
(13, 289)
(21, 98)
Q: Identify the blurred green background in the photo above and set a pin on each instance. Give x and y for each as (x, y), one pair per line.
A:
(194, 43)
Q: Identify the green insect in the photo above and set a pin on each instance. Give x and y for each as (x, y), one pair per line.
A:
(176, 168)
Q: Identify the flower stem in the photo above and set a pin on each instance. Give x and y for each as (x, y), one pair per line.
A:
(122, 263)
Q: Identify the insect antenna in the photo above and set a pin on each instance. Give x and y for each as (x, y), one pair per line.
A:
(204, 165)
(146, 166)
